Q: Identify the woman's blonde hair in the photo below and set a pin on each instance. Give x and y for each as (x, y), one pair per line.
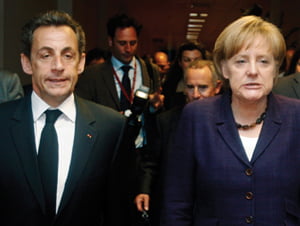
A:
(242, 32)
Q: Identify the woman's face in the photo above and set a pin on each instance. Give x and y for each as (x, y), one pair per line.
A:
(251, 71)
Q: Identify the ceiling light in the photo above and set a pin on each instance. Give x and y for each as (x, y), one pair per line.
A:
(189, 37)
(194, 29)
(196, 20)
(195, 25)
(193, 14)
(204, 14)
(192, 33)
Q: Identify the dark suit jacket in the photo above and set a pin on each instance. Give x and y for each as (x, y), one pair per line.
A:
(209, 180)
(288, 86)
(166, 126)
(151, 171)
(97, 135)
(97, 84)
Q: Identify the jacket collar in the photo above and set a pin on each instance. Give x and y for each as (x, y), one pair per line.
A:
(226, 127)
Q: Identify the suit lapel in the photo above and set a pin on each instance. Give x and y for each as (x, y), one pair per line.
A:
(270, 128)
(225, 124)
(145, 74)
(226, 127)
(109, 83)
(25, 146)
(84, 139)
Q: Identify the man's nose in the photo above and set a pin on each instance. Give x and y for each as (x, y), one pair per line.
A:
(196, 93)
(57, 63)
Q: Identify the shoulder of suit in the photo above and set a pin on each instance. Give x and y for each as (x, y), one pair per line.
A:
(96, 68)
(283, 84)
(8, 109)
(98, 108)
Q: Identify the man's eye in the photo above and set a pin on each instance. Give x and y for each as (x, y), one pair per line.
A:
(68, 56)
(122, 43)
(45, 56)
(132, 43)
(202, 88)
(190, 86)
(186, 60)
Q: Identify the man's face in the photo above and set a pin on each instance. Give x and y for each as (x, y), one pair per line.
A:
(161, 60)
(188, 56)
(199, 84)
(54, 63)
(124, 44)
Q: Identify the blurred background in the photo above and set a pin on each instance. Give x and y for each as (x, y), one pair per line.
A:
(166, 23)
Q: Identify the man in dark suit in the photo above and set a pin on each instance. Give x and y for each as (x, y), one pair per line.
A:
(288, 86)
(200, 81)
(86, 134)
(105, 84)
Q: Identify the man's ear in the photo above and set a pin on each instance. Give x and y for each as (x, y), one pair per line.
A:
(81, 63)
(218, 86)
(26, 64)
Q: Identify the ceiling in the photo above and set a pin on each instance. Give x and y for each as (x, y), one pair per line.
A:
(165, 21)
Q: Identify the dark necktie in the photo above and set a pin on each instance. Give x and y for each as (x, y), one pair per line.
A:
(48, 160)
(124, 102)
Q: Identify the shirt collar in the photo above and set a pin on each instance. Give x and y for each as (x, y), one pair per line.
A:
(39, 106)
(118, 64)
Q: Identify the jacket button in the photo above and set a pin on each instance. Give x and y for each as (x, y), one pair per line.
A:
(249, 195)
(249, 172)
(249, 219)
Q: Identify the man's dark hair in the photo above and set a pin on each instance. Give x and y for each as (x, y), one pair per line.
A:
(122, 21)
(190, 46)
(51, 18)
(95, 54)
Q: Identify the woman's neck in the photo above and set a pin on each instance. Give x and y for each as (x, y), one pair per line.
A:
(247, 113)
(249, 116)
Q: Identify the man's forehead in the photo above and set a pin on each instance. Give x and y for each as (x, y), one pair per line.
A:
(126, 33)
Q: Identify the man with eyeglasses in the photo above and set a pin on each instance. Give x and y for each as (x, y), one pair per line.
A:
(200, 81)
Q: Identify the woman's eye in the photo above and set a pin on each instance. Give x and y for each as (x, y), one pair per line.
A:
(264, 61)
(240, 61)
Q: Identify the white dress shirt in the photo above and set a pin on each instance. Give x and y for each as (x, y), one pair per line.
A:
(65, 129)
(117, 67)
(135, 68)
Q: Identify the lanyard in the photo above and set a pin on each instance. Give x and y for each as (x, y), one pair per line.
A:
(129, 96)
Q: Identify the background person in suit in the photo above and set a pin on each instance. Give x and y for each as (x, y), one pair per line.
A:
(201, 81)
(238, 151)
(173, 86)
(10, 86)
(290, 85)
(87, 134)
(104, 84)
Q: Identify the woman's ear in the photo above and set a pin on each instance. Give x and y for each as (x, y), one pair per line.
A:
(224, 69)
